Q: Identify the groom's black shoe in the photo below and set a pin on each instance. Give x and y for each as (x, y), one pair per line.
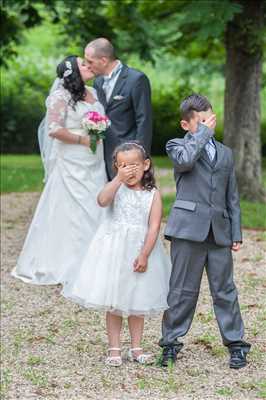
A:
(237, 358)
(169, 354)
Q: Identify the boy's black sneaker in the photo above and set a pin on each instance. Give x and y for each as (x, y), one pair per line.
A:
(169, 355)
(237, 358)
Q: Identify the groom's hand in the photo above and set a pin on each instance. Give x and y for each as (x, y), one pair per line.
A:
(141, 263)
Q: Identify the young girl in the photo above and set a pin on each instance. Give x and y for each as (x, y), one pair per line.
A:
(126, 271)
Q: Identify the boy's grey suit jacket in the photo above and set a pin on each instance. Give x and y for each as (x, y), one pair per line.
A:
(129, 109)
(206, 193)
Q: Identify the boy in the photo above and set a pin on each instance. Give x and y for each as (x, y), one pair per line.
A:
(203, 226)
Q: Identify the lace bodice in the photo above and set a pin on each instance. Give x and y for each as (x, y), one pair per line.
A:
(132, 207)
(61, 114)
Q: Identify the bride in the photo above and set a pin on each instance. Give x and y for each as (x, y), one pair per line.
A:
(67, 214)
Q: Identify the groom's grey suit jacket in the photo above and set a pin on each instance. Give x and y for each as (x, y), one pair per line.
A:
(206, 192)
(129, 109)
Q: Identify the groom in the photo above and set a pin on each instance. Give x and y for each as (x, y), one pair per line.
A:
(126, 96)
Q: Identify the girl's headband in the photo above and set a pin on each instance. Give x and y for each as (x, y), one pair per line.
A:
(137, 145)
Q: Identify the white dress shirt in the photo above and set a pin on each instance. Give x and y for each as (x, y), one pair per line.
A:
(110, 80)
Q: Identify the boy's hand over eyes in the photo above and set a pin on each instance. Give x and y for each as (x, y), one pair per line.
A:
(210, 122)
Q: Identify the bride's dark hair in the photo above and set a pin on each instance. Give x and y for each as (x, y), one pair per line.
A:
(72, 82)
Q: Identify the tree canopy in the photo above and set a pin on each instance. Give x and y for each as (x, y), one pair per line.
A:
(206, 35)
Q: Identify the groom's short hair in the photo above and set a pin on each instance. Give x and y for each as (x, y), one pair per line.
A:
(194, 102)
(102, 48)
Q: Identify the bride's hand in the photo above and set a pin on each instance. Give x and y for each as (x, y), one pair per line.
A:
(85, 141)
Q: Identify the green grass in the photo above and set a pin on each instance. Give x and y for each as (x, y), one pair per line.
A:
(24, 173)
(162, 162)
(225, 391)
(21, 173)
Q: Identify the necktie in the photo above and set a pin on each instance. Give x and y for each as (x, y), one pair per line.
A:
(211, 150)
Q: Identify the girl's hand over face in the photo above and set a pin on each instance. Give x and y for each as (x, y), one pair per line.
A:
(126, 172)
(141, 263)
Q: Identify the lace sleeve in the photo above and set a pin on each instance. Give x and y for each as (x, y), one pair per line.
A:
(57, 104)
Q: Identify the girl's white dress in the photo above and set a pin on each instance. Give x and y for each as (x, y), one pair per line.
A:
(67, 215)
(106, 279)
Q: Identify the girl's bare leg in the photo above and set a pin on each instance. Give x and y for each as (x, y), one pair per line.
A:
(136, 326)
(114, 326)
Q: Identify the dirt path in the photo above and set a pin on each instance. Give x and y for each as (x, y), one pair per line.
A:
(52, 349)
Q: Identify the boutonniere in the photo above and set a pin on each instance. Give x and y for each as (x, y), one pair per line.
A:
(118, 97)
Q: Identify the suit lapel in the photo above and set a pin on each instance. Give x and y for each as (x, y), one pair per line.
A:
(219, 153)
(121, 80)
(205, 156)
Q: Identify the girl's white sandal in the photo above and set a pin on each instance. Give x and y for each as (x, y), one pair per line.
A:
(142, 358)
(113, 361)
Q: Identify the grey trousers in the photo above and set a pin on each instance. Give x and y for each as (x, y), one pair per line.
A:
(189, 259)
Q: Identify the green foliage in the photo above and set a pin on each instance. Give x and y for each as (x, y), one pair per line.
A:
(171, 25)
(28, 78)
(172, 79)
(166, 117)
(84, 20)
(181, 64)
(15, 17)
(21, 111)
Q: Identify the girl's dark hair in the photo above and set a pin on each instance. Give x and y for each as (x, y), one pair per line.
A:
(73, 82)
(148, 179)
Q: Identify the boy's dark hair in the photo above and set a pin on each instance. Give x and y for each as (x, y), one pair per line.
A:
(148, 179)
(194, 102)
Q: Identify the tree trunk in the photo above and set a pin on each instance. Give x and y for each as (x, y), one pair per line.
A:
(243, 42)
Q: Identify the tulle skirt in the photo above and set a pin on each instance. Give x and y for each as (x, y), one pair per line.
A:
(106, 280)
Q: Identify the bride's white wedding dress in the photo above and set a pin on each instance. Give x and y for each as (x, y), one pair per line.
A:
(67, 214)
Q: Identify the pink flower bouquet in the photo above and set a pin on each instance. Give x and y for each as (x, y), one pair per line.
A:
(95, 125)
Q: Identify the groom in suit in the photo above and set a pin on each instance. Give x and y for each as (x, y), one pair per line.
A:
(126, 96)
(204, 226)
